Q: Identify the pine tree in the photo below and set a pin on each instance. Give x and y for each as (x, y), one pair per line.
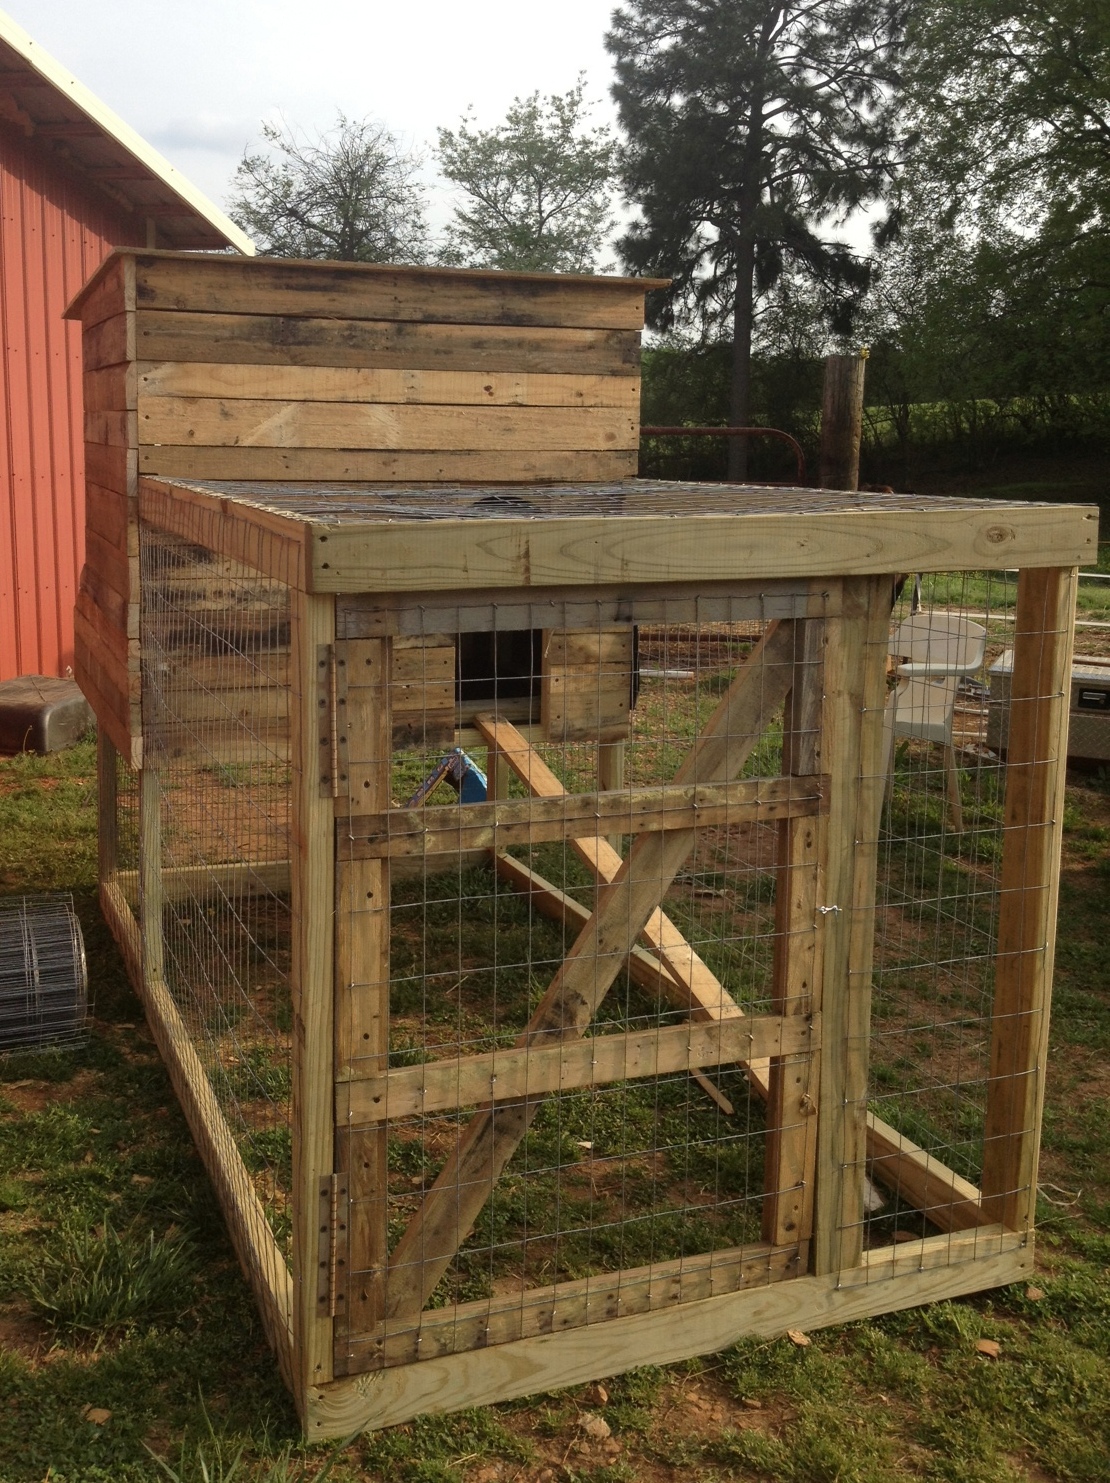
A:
(753, 130)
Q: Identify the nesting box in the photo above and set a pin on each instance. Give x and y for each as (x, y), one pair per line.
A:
(561, 964)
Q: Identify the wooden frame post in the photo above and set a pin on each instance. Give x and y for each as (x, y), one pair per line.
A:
(107, 795)
(851, 749)
(792, 1094)
(312, 871)
(362, 974)
(1036, 763)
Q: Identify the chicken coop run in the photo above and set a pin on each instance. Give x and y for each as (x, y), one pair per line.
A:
(583, 918)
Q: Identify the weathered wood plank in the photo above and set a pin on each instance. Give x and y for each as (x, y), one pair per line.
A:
(258, 339)
(498, 825)
(377, 466)
(211, 422)
(110, 342)
(372, 1096)
(371, 291)
(478, 388)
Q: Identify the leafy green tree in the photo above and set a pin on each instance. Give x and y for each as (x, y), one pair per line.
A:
(536, 189)
(351, 193)
(754, 129)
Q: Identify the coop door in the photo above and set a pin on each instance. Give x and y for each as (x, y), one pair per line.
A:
(577, 1024)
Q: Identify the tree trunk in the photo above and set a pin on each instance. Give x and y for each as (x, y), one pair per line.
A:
(740, 400)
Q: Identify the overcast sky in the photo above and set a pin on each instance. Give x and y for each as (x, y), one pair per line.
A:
(196, 80)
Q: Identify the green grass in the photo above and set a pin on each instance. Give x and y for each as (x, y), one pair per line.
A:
(104, 1208)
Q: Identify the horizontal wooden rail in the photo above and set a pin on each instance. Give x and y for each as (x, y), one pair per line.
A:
(574, 1304)
(519, 1073)
(418, 831)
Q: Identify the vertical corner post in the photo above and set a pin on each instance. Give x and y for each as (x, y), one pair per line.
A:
(150, 873)
(851, 751)
(312, 884)
(1033, 819)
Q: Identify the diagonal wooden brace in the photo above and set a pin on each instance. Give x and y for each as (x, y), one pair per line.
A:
(624, 907)
(679, 972)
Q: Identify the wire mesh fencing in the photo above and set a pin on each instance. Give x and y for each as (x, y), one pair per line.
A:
(215, 638)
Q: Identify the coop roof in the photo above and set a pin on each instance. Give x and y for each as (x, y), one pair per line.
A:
(48, 103)
(407, 538)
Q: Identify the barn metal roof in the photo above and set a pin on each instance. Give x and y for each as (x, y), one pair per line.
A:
(49, 105)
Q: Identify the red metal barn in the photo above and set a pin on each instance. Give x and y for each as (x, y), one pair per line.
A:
(75, 182)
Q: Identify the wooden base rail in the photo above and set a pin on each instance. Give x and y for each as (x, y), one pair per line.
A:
(527, 821)
(518, 1074)
(890, 1278)
(568, 1305)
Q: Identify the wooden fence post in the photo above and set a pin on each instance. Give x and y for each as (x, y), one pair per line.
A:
(842, 421)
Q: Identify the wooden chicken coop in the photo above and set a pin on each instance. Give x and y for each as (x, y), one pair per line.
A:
(566, 951)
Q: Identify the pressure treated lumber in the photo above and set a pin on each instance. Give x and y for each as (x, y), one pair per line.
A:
(1033, 822)
(364, 755)
(887, 1280)
(853, 754)
(792, 1084)
(572, 998)
(312, 635)
(841, 421)
(583, 816)
(507, 1075)
(448, 554)
(576, 1304)
(695, 987)
(250, 1231)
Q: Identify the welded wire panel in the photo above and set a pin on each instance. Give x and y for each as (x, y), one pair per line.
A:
(216, 850)
(585, 884)
(937, 965)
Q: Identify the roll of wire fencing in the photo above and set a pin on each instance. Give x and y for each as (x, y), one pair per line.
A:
(44, 985)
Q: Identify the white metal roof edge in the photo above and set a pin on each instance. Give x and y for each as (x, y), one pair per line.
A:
(101, 115)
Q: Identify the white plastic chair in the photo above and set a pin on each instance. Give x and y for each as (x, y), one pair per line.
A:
(933, 651)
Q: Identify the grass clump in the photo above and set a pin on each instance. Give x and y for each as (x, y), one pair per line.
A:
(96, 1280)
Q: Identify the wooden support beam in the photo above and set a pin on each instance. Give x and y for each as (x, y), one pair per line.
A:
(576, 1304)
(370, 1097)
(581, 816)
(696, 988)
(852, 754)
(312, 637)
(792, 1094)
(107, 783)
(578, 988)
(365, 754)
(1033, 821)
(888, 1279)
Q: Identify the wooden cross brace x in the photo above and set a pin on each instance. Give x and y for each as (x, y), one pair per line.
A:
(624, 906)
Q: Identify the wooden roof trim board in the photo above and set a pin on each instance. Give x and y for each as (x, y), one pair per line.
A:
(47, 89)
(233, 280)
(349, 550)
